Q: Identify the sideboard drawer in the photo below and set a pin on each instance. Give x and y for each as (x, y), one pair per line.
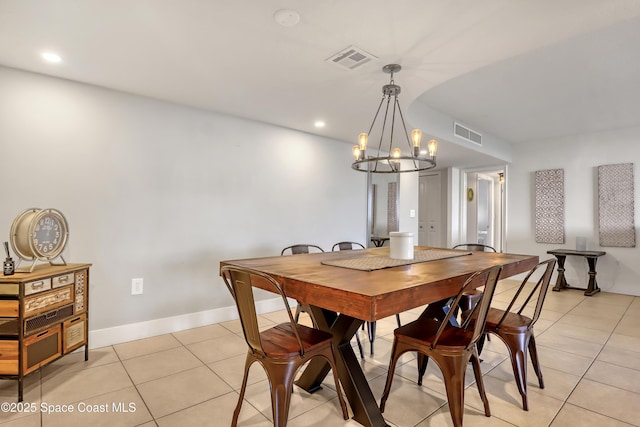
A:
(41, 348)
(48, 318)
(9, 308)
(37, 286)
(74, 333)
(9, 357)
(45, 301)
(65, 279)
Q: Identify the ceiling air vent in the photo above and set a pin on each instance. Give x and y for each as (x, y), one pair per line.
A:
(351, 58)
(467, 134)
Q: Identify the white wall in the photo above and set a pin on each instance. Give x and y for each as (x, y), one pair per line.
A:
(579, 156)
(165, 192)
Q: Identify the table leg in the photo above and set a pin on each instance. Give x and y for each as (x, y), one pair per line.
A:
(355, 385)
(561, 282)
(593, 284)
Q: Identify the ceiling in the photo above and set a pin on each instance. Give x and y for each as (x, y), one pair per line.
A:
(521, 70)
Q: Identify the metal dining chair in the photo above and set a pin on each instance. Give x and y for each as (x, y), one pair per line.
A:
(469, 298)
(515, 328)
(301, 248)
(451, 347)
(282, 349)
(371, 326)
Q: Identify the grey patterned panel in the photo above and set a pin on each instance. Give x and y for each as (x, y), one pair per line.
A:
(616, 205)
(392, 207)
(550, 206)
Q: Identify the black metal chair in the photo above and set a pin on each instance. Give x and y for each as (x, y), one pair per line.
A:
(297, 250)
(301, 249)
(282, 349)
(371, 326)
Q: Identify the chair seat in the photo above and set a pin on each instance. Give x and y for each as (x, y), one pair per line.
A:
(423, 332)
(512, 322)
(280, 340)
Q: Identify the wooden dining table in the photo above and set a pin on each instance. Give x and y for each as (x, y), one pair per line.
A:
(341, 298)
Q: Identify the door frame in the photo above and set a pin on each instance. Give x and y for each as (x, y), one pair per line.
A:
(500, 230)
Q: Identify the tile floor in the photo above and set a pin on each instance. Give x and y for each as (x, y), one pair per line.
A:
(589, 348)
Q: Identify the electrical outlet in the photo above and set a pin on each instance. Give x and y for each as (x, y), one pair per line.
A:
(136, 286)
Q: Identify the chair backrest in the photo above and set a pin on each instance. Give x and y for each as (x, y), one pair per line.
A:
(240, 282)
(301, 249)
(488, 278)
(347, 246)
(520, 300)
(475, 247)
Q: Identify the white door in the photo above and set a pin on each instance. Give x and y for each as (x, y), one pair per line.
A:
(429, 217)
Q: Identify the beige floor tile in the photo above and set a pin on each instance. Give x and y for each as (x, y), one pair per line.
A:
(219, 409)
(606, 400)
(558, 384)
(146, 346)
(231, 370)
(203, 333)
(563, 361)
(160, 364)
(624, 342)
(218, 348)
(613, 375)
(122, 408)
(328, 414)
(570, 345)
(620, 357)
(571, 415)
(70, 387)
(258, 396)
(25, 420)
(408, 403)
(471, 418)
(179, 391)
(592, 322)
(629, 325)
(75, 361)
(579, 332)
(506, 404)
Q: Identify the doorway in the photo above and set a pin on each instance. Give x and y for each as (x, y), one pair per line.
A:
(484, 219)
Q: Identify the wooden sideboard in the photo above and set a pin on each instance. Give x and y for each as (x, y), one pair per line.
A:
(44, 315)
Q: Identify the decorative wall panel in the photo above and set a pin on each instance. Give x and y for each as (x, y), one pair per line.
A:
(550, 206)
(616, 205)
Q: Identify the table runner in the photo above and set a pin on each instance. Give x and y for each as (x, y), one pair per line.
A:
(384, 261)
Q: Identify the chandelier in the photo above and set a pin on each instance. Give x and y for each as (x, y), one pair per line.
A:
(389, 158)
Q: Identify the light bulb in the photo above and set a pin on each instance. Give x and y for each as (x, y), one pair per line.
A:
(416, 137)
(362, 140)
(395, 153)
(433, 147)
(356, 152)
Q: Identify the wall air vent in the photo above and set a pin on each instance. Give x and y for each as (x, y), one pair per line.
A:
(351, 58)
(467, 134)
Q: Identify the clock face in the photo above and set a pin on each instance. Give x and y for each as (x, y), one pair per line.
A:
(47, 234)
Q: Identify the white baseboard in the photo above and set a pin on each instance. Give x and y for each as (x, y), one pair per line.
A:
(135, 331)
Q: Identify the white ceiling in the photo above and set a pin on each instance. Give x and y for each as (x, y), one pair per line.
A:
(518, 69)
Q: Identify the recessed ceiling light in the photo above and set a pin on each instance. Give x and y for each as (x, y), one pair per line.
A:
(287, 17)
(51, 57)
(319, 124)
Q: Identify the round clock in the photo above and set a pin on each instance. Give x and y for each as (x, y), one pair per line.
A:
(39, 234)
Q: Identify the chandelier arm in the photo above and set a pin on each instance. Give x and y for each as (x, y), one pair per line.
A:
(376, 116)
(406, 134)
(384, 125)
